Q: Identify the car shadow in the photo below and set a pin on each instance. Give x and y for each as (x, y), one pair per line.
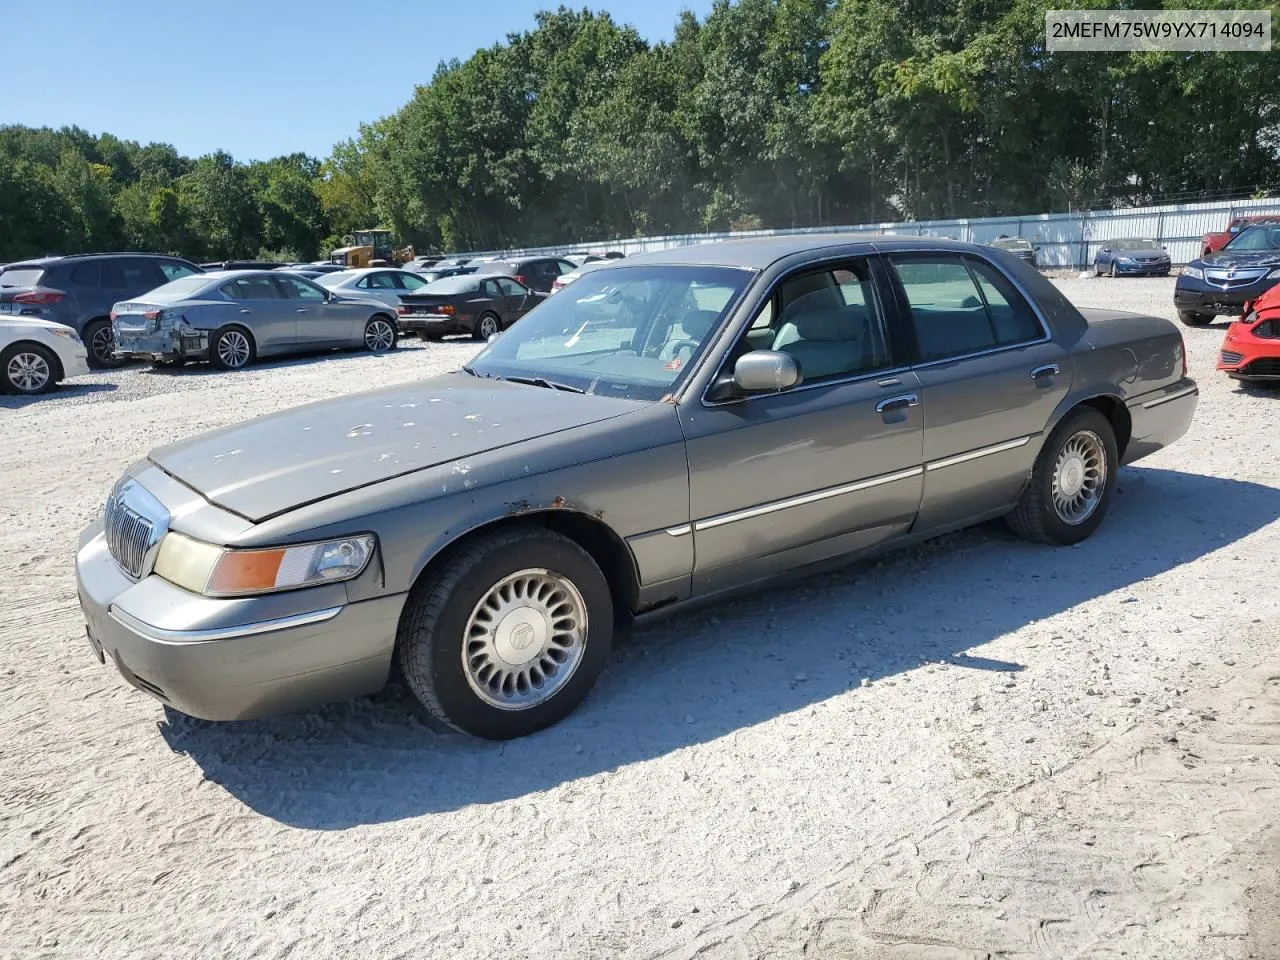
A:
(701, 675)
(60, 392)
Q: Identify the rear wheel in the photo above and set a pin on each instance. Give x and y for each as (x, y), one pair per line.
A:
(101, 344)
(231, 348)
(509, 635)
(486, 326)
(27, 368)
(1193, 318)
(379, 334)
(1071, 483)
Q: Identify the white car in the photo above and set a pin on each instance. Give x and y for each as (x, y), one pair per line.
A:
(35, 354)
(374, 283)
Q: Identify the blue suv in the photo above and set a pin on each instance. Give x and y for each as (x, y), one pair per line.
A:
(80, 290)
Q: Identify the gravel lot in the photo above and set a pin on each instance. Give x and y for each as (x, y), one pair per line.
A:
(973, 748)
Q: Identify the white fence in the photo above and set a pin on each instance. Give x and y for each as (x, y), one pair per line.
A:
(1063, 240)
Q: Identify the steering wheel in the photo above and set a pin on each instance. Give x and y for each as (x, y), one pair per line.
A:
(672, 350)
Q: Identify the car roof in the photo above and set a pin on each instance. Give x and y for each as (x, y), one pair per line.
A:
(759, 252)
(64, 258)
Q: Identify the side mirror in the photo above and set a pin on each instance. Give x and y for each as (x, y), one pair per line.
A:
(765, 371)
(1106, 249)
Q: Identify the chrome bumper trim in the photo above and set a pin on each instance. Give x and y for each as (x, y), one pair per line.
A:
(160, 635)
(980, 452)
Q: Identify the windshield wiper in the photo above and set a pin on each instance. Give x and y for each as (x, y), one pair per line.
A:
(544, 382)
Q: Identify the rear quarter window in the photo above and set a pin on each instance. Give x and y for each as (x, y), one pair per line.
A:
(87, 274)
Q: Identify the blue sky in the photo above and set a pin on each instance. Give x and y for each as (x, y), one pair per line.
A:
(257, 78)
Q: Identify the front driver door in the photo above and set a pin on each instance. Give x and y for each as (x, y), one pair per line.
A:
(822, 469)
(518, 298)
(319, 322)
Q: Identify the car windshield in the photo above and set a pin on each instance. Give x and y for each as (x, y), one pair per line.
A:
(21, 276)
(1137, 246)
(1012, 243)
(449, 285)
(335, 278)
(1258, 237)
(176, 290)
(625, 332)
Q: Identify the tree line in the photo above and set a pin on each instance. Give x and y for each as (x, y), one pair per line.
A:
(768, 113)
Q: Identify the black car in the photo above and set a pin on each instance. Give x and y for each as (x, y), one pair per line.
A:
(244, 265)
(537, 273)
(79, 291)
(1020, 247)
(1223, 282)
(476, 304)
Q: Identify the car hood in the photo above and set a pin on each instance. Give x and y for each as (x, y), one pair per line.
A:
(13, 323)
(1226, 259)
(279, 462)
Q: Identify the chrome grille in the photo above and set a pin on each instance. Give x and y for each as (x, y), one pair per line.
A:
(129, 535)
(1241, 277)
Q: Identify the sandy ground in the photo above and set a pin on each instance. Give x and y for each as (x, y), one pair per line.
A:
(974, 748)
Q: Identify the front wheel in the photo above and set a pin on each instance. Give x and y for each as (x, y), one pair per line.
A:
(379, 335)
(486, 327)
(509, 635)
(1113, 270)
(1193, 318)
(231, 348)
(27, 368)
(1071, 483)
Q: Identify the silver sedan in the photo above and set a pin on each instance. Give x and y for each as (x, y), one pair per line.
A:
(377, 283)
(232, 317)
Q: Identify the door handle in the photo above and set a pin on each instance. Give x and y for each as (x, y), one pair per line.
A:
(245, 310)
(300, 310)
(1048, 370)
(896, 403)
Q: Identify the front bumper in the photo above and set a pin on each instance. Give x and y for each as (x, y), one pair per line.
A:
(174, 344)
(233, 659)
(1135, 269)
(1201, 297)
(1245, 356)
(75, 362)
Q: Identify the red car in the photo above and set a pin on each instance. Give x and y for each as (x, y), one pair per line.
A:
(1251, 350)
(1214, 242)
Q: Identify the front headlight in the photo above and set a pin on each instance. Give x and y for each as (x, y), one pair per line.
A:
(1194, 273)
(229, 572)
(66, 335)
(1274, 274)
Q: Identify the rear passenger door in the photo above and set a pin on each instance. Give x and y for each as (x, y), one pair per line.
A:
(824, 468)
(262, 311)
(991, 378)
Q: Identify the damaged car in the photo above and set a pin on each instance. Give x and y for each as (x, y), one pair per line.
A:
(231, 318)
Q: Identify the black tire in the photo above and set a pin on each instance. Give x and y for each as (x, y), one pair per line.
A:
(486, 325)
(1193, 318)
(28, 369)
(100, 342)
(216, 353)
(440, 607)
(385, 326)
(1035, 517)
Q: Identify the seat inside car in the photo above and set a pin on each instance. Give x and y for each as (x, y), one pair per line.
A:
(948, 327)
(828, 340)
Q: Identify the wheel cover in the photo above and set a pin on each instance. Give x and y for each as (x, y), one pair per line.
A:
(1079, 477)
(233, 348)
(379, 336)
(488, 327)
(29, 372)
(525, 639)
(103, 343)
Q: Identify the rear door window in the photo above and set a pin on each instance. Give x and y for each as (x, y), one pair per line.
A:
(250, 288)
(87, 274)
(131, 274)
(298, 289)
